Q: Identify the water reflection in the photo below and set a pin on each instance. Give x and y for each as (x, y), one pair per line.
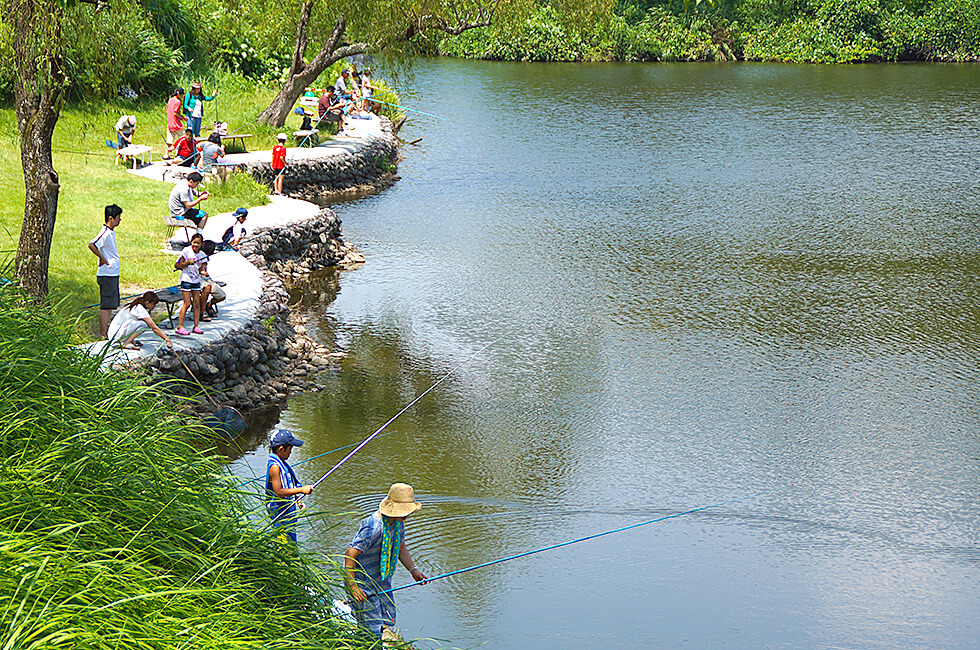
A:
(732, 278)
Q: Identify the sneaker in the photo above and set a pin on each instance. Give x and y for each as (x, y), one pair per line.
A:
(198, 330)
(182, 332)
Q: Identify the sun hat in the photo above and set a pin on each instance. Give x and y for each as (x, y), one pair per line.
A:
(281, 136)
(196, 84)
(240, 212)
(400, 501)
(284, 437)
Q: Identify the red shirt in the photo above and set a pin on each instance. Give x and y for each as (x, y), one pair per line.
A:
(185, 148)
(174, 120)
(278, 157)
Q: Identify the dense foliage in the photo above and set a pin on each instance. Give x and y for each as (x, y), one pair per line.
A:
(803, 31)
(114, 531)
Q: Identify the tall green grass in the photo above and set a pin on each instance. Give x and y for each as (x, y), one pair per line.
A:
(115, 532)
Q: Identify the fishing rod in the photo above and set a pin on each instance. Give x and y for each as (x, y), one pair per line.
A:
(412, 403)
(306, 460)
(383, 426)
(407, 109)
(582, 539)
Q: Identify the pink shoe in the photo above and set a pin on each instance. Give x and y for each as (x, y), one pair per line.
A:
(198, 330)
(182, 332)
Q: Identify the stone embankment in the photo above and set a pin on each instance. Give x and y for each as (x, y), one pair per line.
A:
(368, 166)
(269, 356)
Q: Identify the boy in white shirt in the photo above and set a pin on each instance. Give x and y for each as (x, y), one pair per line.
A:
(107, 275)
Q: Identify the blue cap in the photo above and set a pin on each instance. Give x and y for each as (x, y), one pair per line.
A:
(299, 111)
(284, 437)
(241, 212)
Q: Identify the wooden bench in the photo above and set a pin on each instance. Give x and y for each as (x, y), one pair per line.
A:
(309, 138)
(237, 136)
(173, 223)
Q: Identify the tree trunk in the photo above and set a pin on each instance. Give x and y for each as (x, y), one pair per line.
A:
(302, 74)
(38, 93)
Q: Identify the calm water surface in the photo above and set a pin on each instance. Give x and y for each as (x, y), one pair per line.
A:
(702, 281)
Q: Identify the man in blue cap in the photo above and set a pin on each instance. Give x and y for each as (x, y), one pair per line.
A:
(281, 485)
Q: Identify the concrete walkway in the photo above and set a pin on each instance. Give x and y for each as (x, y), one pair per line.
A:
(243, 281)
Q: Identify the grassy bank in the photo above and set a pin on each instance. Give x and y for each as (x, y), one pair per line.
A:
(90, 180)
(115, 532)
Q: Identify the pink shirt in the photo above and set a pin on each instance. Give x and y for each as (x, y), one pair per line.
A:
(174, 120)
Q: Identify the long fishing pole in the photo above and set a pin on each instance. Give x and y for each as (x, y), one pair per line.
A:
(383, 426)
(582, 539)
(395, 416)
(407, 109)
(306, 460)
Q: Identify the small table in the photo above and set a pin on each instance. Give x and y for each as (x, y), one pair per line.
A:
(135, 151)
(237, 136)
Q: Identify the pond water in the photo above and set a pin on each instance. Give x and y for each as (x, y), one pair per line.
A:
(700, 282)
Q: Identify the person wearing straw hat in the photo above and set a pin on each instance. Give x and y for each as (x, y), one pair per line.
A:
(281, 485)
(371, 556)
(194, 106)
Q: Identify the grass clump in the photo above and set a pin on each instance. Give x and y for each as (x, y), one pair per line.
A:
(114, 531)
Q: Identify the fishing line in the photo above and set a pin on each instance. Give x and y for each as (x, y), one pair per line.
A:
(407, 109)
(412, 403)
(582, 539)
(383, 426)
(306, 460)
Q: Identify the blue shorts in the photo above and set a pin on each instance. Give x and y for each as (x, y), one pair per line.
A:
(190, 286)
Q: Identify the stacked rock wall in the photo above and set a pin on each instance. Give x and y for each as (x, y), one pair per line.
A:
(370, 165)
(258, 363)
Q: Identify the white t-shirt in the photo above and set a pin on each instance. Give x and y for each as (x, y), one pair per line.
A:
(192, 272)
(365, 82)
(127, 321)
(341, 86)
(106, 243)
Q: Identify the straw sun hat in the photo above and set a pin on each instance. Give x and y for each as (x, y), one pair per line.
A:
(400, 501)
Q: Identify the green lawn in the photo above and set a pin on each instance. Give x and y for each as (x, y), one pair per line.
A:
(90, 180)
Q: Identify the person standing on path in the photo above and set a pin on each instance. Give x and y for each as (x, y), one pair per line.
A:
(281, 485)
(175, 120)
(371, 556)
(191, 264)
(107, 275)
(194, 107)
(279, 163)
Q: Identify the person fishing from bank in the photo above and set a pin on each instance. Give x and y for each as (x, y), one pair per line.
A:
(372, 554)
(194, 106)
(132, 319)
(282, 486)
(191, 263)
(175, 120)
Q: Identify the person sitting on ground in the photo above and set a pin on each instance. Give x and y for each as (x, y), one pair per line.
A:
(282, 487)
(185, 149)
(236, 232)
(132, 319)
(184, 199)
(331, 109)
(175, 121)
(191, 263)
(372, 555)
(279, 163)
(212, 151)
(125, 130)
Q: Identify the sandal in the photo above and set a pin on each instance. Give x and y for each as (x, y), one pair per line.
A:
(205, 319)
(198, 330)
(130, 346)
(180, 331)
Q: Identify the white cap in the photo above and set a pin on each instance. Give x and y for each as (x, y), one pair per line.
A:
(281, 136)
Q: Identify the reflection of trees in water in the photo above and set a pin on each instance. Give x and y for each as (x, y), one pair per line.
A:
(309, 298)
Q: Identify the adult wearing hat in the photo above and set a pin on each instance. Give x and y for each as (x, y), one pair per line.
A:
(125, 130)
(194, 107)
(371, 557)
(281, 485)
